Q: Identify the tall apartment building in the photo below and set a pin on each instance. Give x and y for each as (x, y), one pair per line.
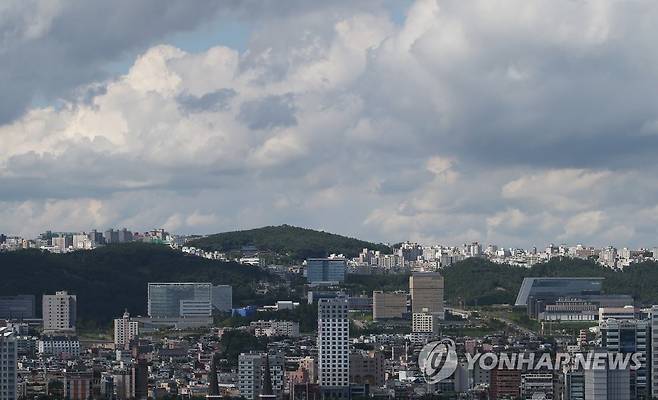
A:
(388, 305)
(125, 330)
(426, 293)
(333, 347)
(59, 312)
(325, 270)
(251, 371)
(628, 337)
(8, 358)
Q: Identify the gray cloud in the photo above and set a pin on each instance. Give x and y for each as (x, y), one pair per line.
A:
(269, 112)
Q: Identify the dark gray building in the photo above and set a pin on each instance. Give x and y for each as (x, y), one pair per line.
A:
(21, 306)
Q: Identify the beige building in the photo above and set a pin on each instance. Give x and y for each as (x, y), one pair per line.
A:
(426, 293)
(388, 305)
(59, 312)
(125, 330)
(425, 323)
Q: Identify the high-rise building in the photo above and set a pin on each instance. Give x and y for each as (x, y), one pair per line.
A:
(59, 312)
(607, 384)
(628, 337)
(251, 373)
(574, 385)
(388, 305)
(426, 293)
(8, 367)
(140, 379)
(333, 346)
(17, 307)
(125, 330)
(325, 270)
(654, 351)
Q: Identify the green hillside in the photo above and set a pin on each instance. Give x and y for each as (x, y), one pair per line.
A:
(109, 279)
(478, 281)
(290, 242)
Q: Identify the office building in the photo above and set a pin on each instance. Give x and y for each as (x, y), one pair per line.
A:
(140, 379)
(425, 323)
(607, 384)
(251, 373)
(549, 290)
(426, 290)
(628, 337)
(59, 312)
(179, 300)
(17, 307)
(8, 359)
(325, 270)
(125, 330)
(222, 298)
(333, 347)
(388, 305)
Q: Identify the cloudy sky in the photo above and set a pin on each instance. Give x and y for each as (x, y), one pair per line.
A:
(510, 122)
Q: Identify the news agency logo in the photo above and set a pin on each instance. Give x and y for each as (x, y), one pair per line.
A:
(438, 360)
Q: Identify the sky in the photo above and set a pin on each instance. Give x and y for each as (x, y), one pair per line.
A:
(439, 121)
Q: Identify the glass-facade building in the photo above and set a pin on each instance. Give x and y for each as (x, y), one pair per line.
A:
(174, 300)
(325, 270)
(550, 289)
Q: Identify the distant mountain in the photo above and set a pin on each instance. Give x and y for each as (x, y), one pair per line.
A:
(289, 241)
(109, 279)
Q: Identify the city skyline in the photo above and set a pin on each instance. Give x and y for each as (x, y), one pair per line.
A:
(432, 121)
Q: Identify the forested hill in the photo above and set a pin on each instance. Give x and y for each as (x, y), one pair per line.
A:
(109, 279)
(478, 281)
(292, 242)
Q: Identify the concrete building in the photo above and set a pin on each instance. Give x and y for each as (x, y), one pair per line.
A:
(537, 385)
(505, 383)
(125, 330)
(618, 313)
(333, 347)
(367, 367)
(59, 346)
(222, 298)
(171, 303)
(426, 293)
(275, 328)
(17, 307)
(325, 270)
(569, 309)
(8, 367)
(59, 312)
(78, 385)
(251, 371)
(425, 323)
(388, 305)
(574, 385)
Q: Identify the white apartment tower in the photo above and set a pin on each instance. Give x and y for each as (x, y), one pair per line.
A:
(7, 364)
(59, 312)
(333, 344)
(125, 330)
